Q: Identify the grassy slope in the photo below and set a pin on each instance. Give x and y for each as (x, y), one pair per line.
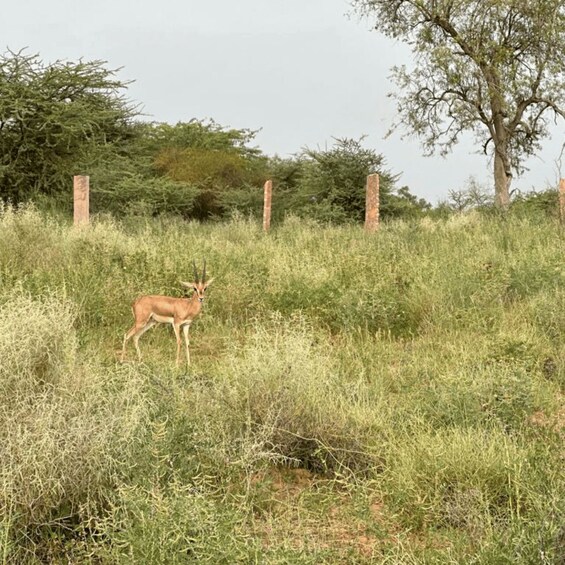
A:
(394, 399)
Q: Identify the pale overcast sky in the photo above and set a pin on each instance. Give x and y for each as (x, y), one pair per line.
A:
(300, 70)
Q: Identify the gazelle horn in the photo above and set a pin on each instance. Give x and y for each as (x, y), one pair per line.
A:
(204, 272)
(196, 278)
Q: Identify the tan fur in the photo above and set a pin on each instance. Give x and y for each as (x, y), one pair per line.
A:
(179, 312)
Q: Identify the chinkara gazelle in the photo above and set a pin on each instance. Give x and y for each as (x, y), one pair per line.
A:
(180, 312)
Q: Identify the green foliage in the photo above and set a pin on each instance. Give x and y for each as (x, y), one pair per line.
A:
(193, 170)
(216, 161)
(68, 118)
(329, 185)
(201, 134)
(55, 119)
(298, 412)
(66, 423)
(390, 398)
(211, 172)
(172, 525)
(333, 180)
(214, 172)
(541, 204)
(140, 195)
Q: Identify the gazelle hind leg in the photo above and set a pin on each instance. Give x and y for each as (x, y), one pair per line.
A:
(127, 337)
(148, 325)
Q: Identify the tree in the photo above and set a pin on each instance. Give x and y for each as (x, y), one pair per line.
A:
(473, 196)
(55, 121)
(491, 67)
(217, 161)
(330, 184)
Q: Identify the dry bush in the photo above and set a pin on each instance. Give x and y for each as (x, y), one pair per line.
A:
(283, 398)
(66, 425)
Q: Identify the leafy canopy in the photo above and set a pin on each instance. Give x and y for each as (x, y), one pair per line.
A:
(329, 184)
(67, 118)
(54, 121)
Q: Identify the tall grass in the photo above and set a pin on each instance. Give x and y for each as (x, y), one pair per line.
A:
(395, 398)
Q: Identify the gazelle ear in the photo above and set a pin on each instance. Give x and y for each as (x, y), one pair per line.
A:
(188, 284)
(208, 283)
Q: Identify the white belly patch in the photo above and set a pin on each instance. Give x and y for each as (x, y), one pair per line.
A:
(163, 319)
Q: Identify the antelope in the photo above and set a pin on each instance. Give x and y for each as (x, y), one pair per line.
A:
(149, 310)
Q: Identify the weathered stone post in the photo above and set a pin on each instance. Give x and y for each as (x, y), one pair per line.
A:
(267, 205)
(81, 199)
(372, 203)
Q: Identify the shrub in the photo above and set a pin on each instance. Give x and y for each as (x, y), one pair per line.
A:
(415, 374)
(66, 426)
(175, 524)
(282, 399)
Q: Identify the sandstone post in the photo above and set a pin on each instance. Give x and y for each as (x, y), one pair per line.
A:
(372, 203)
(81, 199)
(267, 205)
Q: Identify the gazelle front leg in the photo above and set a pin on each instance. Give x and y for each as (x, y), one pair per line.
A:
(176, 327)
(185, 329)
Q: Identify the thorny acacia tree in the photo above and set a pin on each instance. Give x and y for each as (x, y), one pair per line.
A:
(492, 67)
(55, 120)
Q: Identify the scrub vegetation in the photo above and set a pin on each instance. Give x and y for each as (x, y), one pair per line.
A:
(395, 398)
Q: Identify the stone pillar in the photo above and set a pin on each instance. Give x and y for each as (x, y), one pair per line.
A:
(81, 199)
(267, 205)
(372, 204)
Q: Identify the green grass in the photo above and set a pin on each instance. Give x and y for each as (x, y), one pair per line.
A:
(394, 398)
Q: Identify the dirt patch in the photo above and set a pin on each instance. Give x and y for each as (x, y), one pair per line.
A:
(556, 420)
(307, 512)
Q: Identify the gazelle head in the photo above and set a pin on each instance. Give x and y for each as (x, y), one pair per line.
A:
(199, 285)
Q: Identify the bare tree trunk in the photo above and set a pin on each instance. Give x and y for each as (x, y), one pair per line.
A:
(502, 180)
